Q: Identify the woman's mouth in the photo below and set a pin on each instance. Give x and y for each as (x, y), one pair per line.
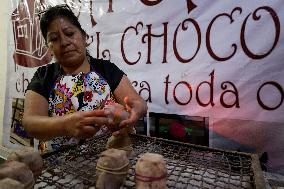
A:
(68, 52)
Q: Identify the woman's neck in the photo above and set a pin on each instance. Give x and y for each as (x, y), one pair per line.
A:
(84, 67)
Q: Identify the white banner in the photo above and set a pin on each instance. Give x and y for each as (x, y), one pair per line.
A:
(217, 59)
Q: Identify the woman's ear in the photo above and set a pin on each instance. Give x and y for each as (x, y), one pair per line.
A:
(51, 52)
(46, 44)
(86, 36)
(50, 49)
(86, 40)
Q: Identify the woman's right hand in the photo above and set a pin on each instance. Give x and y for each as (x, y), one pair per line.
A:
(38, 123)
(85, 124)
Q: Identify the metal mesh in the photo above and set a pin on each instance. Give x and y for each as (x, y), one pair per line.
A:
(189, 166)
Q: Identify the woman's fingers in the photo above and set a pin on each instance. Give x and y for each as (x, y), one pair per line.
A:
(126, 122)
(86, 124)
(96, 117)
(127, 104)
(97, 121)
(120, 132)
(130, 121)
(90, 129)
(87, 132)
(94, 113)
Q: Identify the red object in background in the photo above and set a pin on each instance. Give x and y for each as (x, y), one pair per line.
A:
(177, 130)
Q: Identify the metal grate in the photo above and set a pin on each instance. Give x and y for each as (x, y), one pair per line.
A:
(189, 166)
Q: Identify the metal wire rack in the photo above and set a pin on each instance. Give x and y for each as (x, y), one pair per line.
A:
(189, 166)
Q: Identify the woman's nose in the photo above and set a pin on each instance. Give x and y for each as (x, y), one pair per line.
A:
(64, 40)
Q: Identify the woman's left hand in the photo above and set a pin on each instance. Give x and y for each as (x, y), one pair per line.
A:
(135, 109)
(134, 103)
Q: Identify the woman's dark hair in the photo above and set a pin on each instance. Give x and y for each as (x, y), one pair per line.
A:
(58, 11)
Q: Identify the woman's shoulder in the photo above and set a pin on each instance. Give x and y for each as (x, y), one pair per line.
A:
(48, 69)
(102, 65)
(99, 62)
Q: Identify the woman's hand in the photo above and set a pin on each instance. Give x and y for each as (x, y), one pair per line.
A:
(125, 94)
(85, 124)
(136, 110)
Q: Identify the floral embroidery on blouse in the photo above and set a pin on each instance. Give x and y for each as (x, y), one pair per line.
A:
(73, 93)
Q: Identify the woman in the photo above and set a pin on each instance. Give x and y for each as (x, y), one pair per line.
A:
(65, 99)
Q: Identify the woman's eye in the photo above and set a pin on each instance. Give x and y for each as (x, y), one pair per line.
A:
(69, 34)
(52, 39)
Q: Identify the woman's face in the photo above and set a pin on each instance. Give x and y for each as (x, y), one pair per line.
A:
(67, 43)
